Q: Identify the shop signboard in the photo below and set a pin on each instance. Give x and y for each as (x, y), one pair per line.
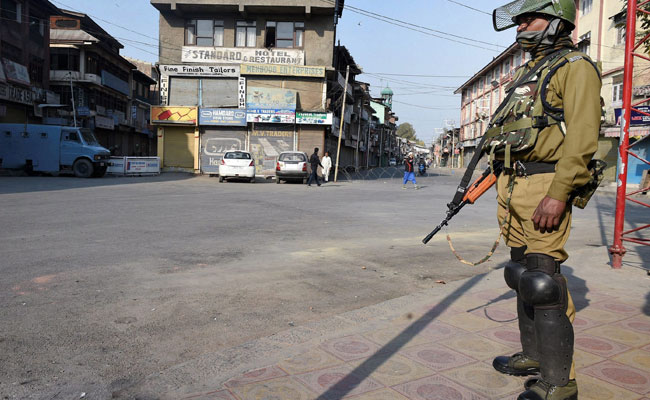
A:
(270, 98)
(212, 71)
(83, 111)
(174, 115)
(16, 94)
(222, 116)
(314, 118)
(242, 92)
(637, 117)
(271, 115)
(142, 165)
(238, 55)
(16, 72)
(114, 82)
(283, 70)
(104, 122)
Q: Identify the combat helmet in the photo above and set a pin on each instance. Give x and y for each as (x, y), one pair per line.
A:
(505, 17)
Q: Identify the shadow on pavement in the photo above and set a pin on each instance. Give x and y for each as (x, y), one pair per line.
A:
(363, 371)
(18, 184)
(577, 287)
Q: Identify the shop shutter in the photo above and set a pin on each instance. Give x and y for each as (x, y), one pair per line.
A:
(267, 141)
(184, 91)
(179, 147)
(220, 92)
(215, 142)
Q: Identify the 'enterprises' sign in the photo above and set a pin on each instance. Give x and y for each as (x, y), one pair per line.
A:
(236, 55)
(222, 116)
(284, 70)
(215, 71)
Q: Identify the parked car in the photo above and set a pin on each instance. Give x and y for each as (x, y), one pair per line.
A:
(392, 162)
(237, 164)
(52, 149)
(292, 165)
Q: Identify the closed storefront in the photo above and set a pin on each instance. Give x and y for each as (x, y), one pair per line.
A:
(267, 141)
(179, 147)
(207, 92)
(311, 136)
(215, 142)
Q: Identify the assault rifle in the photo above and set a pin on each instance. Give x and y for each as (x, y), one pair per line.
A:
(473, 192)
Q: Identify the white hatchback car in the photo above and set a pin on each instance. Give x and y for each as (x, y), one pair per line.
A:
(237, 164)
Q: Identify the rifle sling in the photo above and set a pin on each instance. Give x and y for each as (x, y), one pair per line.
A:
(464, 183)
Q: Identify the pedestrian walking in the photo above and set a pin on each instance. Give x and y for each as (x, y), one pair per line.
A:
(314, 161)
(545, 132)
(327, 165)
(409, 171)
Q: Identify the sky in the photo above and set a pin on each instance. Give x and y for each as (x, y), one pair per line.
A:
(378, 47)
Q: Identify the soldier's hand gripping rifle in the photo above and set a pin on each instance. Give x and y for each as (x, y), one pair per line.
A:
(487, 179)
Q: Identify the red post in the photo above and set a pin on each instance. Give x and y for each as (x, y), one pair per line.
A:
(618, 250)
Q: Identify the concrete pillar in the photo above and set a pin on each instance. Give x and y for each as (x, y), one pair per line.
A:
(161, 145)
(197, 150)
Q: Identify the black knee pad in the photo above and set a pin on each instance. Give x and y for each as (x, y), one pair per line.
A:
(539, 289)
(512, 274)
(513, 270)
(542, 285)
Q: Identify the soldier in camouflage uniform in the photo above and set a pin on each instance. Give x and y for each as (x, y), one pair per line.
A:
(545, 133)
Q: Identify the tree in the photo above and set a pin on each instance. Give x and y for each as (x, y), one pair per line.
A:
(406, 131)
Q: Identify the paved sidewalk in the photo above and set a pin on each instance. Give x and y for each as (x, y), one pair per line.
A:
(435, 344)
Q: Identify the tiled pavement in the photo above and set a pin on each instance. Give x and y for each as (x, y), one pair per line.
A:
(443, 350)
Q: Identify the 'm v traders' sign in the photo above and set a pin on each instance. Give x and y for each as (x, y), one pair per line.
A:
(236, 55)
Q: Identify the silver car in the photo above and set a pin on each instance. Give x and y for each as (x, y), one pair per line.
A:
(291, 165)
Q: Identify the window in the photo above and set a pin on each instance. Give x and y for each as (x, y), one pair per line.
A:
(36, 29)
(11, 10)
(584, 43)
(506, 66)
(237, 155)
(517, 61)
(36, 69)
(585, 6)
(204, 32)
(11, 52)
(617, 93)
(285, 35)
(64, 59)
(620, 35)
(246, 34)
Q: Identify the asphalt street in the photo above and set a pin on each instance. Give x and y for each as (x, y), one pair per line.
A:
(106, 281)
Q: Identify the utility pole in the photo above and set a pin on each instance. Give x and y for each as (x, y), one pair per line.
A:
(74, 112)
(338, 149)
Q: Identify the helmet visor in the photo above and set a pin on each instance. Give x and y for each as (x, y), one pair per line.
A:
(504, 17)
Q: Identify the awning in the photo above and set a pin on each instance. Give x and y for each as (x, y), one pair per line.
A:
(615, 131)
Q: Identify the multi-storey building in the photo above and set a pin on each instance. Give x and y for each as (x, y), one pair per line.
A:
(24, 60)
(600, 32)
(98, 86)
(247, 74)
(481, 95)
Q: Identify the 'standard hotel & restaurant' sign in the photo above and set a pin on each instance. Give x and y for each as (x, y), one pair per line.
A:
(237, 55)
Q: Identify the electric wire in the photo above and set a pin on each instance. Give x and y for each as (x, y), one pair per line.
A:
(471, 8)
(419, 28)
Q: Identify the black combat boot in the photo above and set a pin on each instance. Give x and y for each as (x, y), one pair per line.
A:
(542, 390)
(525, 362)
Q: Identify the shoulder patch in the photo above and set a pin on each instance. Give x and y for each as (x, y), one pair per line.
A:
(575, 58)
